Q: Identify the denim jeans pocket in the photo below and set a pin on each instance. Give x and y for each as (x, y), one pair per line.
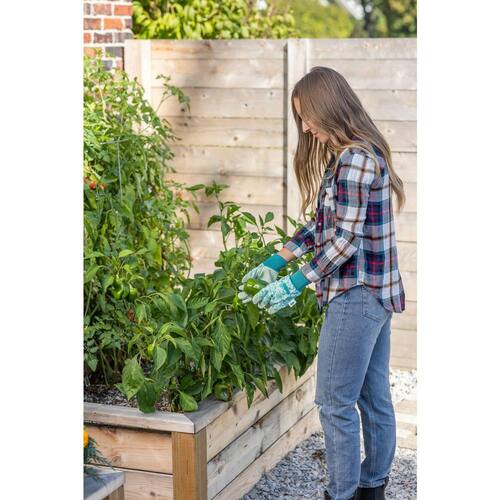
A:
(372, 307)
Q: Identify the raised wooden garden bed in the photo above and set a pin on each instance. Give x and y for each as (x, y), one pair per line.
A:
(220, 451)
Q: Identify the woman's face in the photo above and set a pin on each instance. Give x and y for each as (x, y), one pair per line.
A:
(308, 127)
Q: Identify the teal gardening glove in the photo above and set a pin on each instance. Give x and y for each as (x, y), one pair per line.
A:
(282, 293)
(266, 271)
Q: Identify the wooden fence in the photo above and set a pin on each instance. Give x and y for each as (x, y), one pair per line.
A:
(240, 130)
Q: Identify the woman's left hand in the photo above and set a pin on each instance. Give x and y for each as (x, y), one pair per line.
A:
(276, 295)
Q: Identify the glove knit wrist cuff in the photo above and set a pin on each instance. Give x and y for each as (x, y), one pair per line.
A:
(299, 281)
(276, 262)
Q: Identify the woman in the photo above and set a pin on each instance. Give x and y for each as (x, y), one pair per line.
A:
(344, 162)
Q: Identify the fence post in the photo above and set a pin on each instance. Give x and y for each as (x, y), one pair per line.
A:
(138, 63)
(296, 68)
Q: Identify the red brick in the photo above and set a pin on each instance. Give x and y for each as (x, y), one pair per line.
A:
(123, 10)
(89, 51)
(128, 23)
(103, 37)
(91, 24)
(103, 9)
(86, 38)
(86, 9)
(113, 24)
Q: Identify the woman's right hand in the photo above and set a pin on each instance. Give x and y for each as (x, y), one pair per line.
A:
(261, 272)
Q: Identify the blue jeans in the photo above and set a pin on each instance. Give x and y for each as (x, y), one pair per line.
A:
(353, 367)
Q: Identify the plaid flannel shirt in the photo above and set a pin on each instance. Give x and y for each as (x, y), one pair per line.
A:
(353, 233)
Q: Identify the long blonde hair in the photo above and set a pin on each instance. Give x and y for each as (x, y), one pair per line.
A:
(328, 101)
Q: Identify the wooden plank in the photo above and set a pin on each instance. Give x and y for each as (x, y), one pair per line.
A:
(242, 484)
(210, 410)
(190, 465)
(364, 48)
(394, 105)
(241, 189)
(137, 60)
(144, 450)
(406, 226)
(218, 49)
(258, 162)
(238, 418)
(223, 73)
(403, 349)
(118, 494)
(405, 165)
(244, 450)
(374, 74)
(133, 418)
(410, 284)
(199, 221)
(406, 320)
(255, 133)
(296, 68)
(223, 103)
(401, 136)
(268, 133)
(407, 256)
(141, 485)
(397, 105)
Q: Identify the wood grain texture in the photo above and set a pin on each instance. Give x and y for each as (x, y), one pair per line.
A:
(241, 189)
(245, 481)
(268, 133)
(403, 349)
(220, 160)
(407, 320)
(374, 74)
(396, 105)
(133, 418)
(223, 103)
(244, 450)
(141, 485)
(223, 73)
(210, 409)
(218, 49)
(237, 418)
(364, 48)
(190, 465)
(132, 449)
(239, 132)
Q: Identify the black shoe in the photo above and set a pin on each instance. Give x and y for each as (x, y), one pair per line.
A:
(377, 493)
(328, 497)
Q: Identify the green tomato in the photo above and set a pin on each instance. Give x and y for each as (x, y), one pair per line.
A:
(132, 292)
(252, 286)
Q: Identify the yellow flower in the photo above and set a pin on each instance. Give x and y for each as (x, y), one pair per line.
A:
(85, 438)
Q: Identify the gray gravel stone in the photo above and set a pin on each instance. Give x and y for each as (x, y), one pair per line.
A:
(302, 474)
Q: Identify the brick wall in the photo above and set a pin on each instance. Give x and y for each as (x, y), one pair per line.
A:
(106, 25)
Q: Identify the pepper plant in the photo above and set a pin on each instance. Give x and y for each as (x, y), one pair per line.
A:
(210, 342)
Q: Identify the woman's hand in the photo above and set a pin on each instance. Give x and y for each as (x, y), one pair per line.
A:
(277, 295)
(261, 272)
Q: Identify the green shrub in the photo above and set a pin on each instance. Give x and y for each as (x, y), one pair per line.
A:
(135, 241)
(212, 343)
(200, 19)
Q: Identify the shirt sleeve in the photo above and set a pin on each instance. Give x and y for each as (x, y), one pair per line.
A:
(302, 241)
(355, 178)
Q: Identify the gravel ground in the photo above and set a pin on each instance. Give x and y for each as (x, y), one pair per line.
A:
(302, 474)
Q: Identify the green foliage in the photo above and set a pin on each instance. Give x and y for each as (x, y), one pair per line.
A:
(204, 19)
(390, 18)
(314, 19)
(210, 342)
(135, 241)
